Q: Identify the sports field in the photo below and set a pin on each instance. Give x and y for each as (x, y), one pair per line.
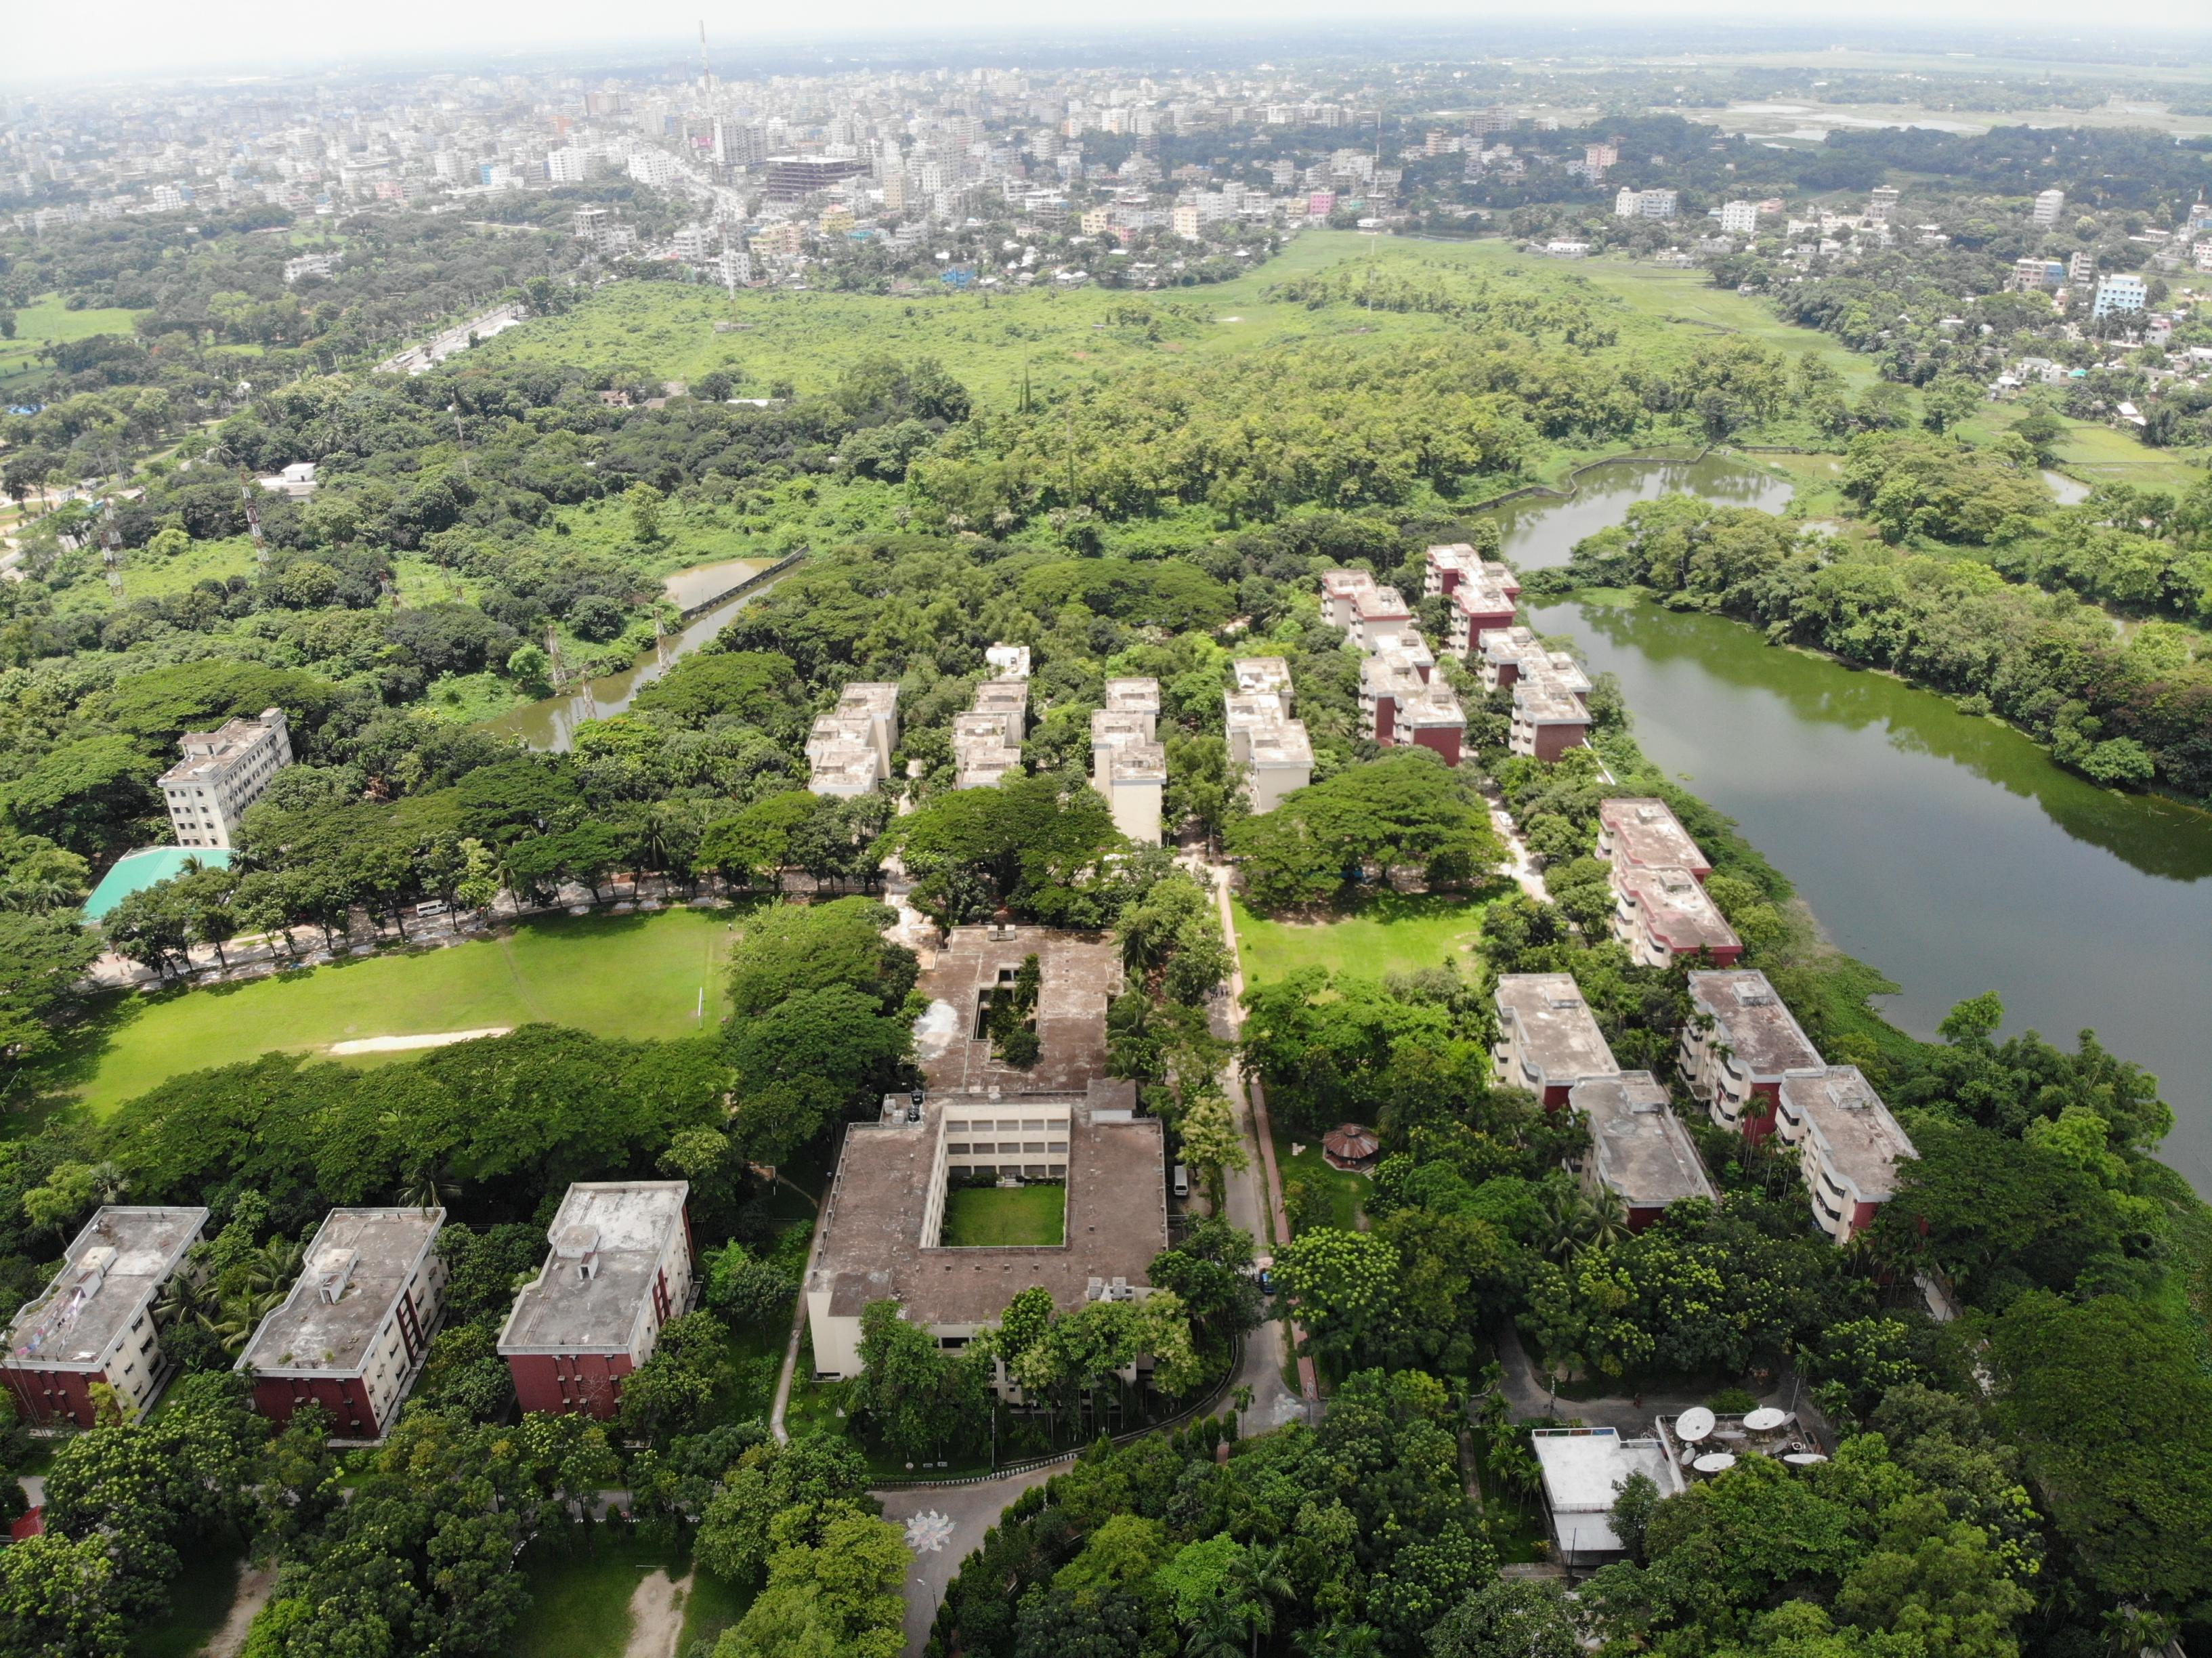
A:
(1387, 934)
(47, 321)
(616, 975)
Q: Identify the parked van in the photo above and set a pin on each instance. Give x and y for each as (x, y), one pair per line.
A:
(1182, 1181)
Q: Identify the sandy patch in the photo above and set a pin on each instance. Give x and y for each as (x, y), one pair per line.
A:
(254, 1587)
(656, 1617)
(404, 1044)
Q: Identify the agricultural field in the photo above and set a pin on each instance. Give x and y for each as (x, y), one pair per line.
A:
(1389, 933)
(638, 976)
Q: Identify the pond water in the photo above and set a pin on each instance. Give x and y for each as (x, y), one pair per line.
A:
(1947, 851)
(551, 723)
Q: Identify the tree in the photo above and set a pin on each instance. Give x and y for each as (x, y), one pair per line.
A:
(1511, 1618)
(808, 1058)
(644, 503)
(669, 1393)
(1407, 808)
(58, 1599)
(772, 1493)
(917, 1398)
(42, 958)
(1341, 1284)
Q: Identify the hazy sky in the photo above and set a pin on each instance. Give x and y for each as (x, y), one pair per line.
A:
(46, 39)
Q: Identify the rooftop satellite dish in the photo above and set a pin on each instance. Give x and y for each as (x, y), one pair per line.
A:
(1715, 1462)
(1766, 1419)
(1694, 1424)
(1804, 1458)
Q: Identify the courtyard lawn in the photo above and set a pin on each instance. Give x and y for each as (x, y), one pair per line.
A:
(990, 1217)
(1390, 932)
(579, 1599)
(1343, 1194)
(616, 976)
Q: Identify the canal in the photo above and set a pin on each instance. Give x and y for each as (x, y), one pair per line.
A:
(1948, 852)
(551, 722)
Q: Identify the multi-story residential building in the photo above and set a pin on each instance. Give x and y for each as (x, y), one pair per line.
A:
(2033, 275)
(1739, 1046)
(1645, 204)
(2081, 268)
(619, 1269)
(1127, 765)
(1848, 1146)
(2049, 205)
(1270, 750)
(352, 1335)
(1643, 833)
(1136, 699)
(1548, 719)
(93, 1323)
(1740, 218)
(1882, 204)
(1663, 915)
(223, 772)
(2119, 296)
(1639, 1150)
(1547, 1038)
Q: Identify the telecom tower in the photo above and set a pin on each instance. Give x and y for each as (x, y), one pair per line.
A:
(246, 492)
(111, 546)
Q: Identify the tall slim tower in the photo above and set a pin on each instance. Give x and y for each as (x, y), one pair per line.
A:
(706, 73)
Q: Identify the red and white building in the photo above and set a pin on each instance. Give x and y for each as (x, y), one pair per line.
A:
(1639, 1150)
(1848, 1146)
(1643, 833)
(1740, 1045)
(1482, 593)
(1548, 1040)
(619, 1270)
(1551, 711)
(352, 1335)
(93, 1324)
(1662, 914)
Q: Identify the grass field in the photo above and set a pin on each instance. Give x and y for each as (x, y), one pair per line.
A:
(1389, 933)
(989, 1216)
(580, 1602)
(990, 342)
(1343, 1192)
(47, 321)
(200, 1598)
(617, 975)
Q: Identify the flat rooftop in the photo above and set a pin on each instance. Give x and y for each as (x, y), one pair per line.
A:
(114, 1266)
(1766, 1042)
(1675, 909)
(850, 765)
(1583, 1470)
(1133, 696)
(1432, 705)
(1111, 730)
(1557, 1031)
(1644, 830)
(364, 1258)
(1004, 697)
(1540, 702)
(1138, 762)
(870, 695)
(208, 753)
(871, 1247)
(1642, 1151)
(1380, 604)
(1284, 745)
(1082, 972)
(622, 1229)
(1863, 1141)
(1266, 674)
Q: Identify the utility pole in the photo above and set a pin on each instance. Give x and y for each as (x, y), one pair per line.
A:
(460, 436)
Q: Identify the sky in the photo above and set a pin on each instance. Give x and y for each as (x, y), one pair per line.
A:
(44, 41)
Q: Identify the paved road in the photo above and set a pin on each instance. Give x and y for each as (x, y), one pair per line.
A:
(966, 1513)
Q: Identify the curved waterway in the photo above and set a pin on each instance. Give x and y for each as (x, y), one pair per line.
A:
(1948, 852)
(551, 722)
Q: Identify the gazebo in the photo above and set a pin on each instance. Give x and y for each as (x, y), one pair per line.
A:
(1352, 1146)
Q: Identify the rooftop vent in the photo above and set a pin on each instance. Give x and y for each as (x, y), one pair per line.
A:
(333, 1270)
(578, 1247)
(1757, 999)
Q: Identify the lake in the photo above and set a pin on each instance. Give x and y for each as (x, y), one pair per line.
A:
(1948, 852)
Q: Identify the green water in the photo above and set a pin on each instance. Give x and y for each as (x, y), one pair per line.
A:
(1948, 852)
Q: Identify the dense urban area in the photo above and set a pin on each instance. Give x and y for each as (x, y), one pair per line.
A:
(933, 854)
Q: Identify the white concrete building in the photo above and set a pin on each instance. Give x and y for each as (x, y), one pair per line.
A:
(1739, 218)
(2049, 205)
(1848, 1146)
(1585, 1469)
(223, 772)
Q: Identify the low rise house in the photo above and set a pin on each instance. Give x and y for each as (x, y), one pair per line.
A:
(1848, 1146)
(1585, 1469)
(619, 1269)
(1740, 1045)
(352, 1335)
(1639, 832)
(223, 772)
(1662, 914)
(1547, 1038)
(93, 1323)
(1008, 661)
(1639, 1150)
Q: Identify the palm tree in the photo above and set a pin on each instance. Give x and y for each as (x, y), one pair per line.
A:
(1566, 1222)
(109, 1182)
(1255, 1581)
(430, 1186)
(1338, 1641)
(187, 1298)
(1218, 1632)
(1605, 1218)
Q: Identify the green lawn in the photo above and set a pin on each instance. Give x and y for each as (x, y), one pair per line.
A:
(710, 1606)
(1388, 933)
(1344, 1194)
(990, 1217)
(617, 975)
(580, 1600)
(200, 1598)
(47, 321)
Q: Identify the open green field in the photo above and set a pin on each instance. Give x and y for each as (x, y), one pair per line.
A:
(992, 1217)
(579, 1599)
(47, 321)
(1389, 933)
(989, 342)
(2097, 454)
(1343, 1193)
(616, 976)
